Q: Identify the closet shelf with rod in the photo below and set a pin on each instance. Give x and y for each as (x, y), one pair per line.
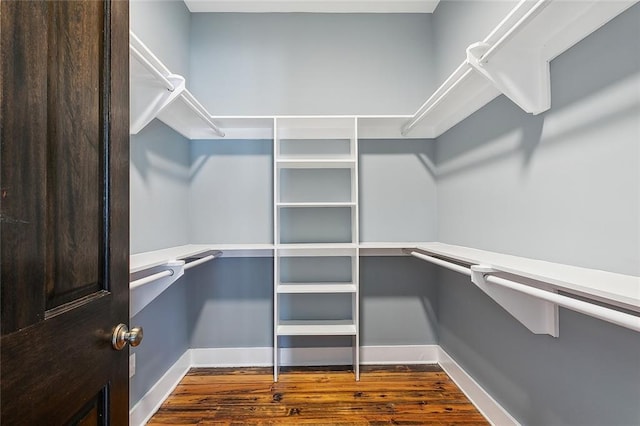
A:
(532, 290)
(512, 60)
(158, 93)
(156, 279)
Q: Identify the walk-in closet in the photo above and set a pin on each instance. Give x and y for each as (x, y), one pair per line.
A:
(455, 184)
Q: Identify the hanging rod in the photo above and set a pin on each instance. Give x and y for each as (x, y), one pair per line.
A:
(531, 13)
(458, 76)
(202, 260)
(147, 59)
(150, 278)
(200, 110)
(613, 316)
(153, 70)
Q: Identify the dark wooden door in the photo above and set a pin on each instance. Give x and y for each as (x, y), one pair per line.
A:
(64, 211)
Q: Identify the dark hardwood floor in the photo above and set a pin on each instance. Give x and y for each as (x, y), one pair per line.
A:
(421, 394)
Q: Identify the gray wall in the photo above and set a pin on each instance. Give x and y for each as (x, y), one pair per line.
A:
(565, 183)
(279, 64)
(230, 304)
(564, 187)
(459, 23)
(398, 302)
(166, 338)
(159, 188)
(231, 192)
(397, 190)
(164, 27)
(159, 198)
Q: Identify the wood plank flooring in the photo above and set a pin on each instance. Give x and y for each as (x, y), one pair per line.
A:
(318, 395)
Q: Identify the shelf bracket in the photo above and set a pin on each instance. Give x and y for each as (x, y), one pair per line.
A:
(522, 76)
(149, 103)
(539, 316)
(143, 295)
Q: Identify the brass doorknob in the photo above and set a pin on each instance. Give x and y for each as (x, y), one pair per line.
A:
(122, 336)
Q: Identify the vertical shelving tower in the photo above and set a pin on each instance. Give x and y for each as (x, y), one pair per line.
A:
(316, 259)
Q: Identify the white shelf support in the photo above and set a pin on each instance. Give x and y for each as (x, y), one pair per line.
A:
(539, 315)
(525, 80)
(534, 307)
(514, 60)
(154, 92)
(144, 290)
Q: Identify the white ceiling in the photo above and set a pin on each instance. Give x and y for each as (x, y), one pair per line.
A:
(313, 6)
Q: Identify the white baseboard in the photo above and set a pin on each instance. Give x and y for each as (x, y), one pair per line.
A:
(232, 357)
(401, 354)
(369, 355)
(263, 357)
(484, 402)
(152, 400)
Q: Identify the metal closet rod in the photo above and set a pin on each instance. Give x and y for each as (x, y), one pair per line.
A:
(464, 70)
(169, 272)
(613, 316)
(150, 278)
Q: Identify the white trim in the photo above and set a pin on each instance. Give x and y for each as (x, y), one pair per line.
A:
(401, 354)
(232, 357)
(263, 357)
(141, 413)
(484, 402)
(369, 355)
(313, 6)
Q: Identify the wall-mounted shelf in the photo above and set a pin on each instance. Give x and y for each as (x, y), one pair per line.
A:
(513, 60)
(153, 273)
(529, 289)
(158, 93)
(316, 328)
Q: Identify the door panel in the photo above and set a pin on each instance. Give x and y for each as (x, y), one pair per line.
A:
(64, 211)
(75, 152)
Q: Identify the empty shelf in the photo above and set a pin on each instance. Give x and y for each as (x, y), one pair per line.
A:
(316, 328)
(299, 288)
(315, 164)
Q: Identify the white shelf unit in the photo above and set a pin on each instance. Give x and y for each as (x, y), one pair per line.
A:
(513, 60)
(532, 290)
(315, 227)
(158, 93)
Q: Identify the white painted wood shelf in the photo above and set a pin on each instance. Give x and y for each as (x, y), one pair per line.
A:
(316, 328)
(158, 93)
(315, 164)
(322, 147)
(317, 204)
(151, 259)
(615, 289)
(315, 288)
(513, 60)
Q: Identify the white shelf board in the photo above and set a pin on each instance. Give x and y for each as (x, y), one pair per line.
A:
(147, 260)
(312, 6)
(246, 127)
(608, 287)
(317, 204)
(157, 93)
(388, 127)
(316, 164)
(386, 248)
(470, 93)
(293, 288)
(316, 328)
(514, 60)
